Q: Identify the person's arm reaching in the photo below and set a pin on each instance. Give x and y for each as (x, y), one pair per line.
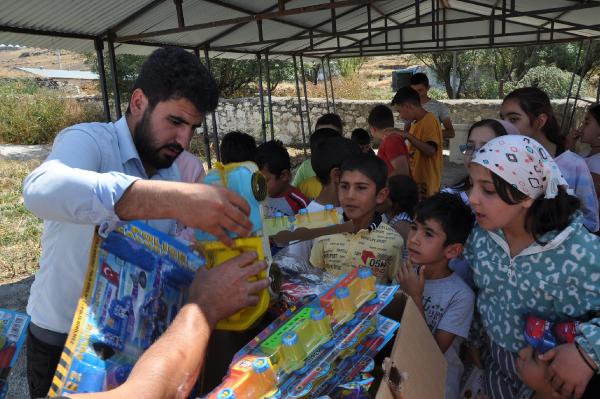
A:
(427, 148)
(67, 187)
(169, 368)
(448, 132)
(209, 208)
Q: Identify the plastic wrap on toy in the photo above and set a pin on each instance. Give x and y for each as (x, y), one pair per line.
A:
(300, 279)
(312, 348)
(304, 219)
(544, 335)
(136, 282)
(13, 330)
(245, 179)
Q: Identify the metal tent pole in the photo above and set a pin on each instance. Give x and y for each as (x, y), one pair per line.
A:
(566, 109)
(214, 117)
(113, 68)
(305, 95)
(299, 104)
(585, 65)
(331, 84)
(205, 136)
(99, 45)
(269, 102)
(325, 84)
(261, 96)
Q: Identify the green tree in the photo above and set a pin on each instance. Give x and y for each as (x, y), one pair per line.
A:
(128, 68)
(235, 78)
(447, 64)
(551, 79)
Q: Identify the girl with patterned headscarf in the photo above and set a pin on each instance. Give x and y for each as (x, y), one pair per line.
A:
(530, 254)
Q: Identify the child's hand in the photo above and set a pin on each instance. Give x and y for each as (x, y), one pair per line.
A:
(412, 280)
(567, 372)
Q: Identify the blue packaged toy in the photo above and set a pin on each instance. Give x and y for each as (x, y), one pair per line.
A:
(13, 330)
(135, 284)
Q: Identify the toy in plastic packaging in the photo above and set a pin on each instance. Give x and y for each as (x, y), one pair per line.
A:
(310, 349)
(136, 282)
(13, 330)
(299, 279)
(544, 335)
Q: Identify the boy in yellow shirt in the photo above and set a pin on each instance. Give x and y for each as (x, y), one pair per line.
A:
(373, 243)
(424, 141)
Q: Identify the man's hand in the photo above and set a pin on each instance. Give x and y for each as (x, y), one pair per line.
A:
(568, 373)
(225, 289)
(215, 210)
(212, 209)
(412, 280)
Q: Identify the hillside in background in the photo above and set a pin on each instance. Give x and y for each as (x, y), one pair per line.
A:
(38, 58)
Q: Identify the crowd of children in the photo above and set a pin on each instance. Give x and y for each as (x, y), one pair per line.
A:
(514, 237)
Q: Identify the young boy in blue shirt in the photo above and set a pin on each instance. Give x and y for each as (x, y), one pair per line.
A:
(437, 234)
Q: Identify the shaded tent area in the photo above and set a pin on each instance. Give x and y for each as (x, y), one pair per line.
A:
(300, 30)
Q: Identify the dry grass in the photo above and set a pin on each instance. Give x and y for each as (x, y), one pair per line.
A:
(20, 230)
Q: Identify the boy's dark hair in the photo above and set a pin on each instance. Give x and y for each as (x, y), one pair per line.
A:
(419, 79)
(330, 153)
(171, 73)
(406, 95)
(238, 147)
(451, 212)
(534, 102)
(330, 119)
(369, 165)
(361, 136)
(274, 156)
(381, 117)
(546, 214)
(322, 134)
(404, 194)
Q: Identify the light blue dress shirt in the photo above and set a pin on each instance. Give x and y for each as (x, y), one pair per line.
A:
(89, 168)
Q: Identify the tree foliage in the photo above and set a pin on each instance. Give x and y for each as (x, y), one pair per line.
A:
(235, 78)
(491, 73)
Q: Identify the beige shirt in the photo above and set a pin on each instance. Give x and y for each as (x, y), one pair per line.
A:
(379, 249)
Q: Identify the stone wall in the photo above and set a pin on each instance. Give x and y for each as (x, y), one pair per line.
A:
(243, 114)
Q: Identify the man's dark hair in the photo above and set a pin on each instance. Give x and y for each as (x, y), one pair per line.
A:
(406, 95)
(322, 134)
(330, 153)
(451, 212)
(273, 156)
(330, 119)
(419, 79)
(171, 73)
(381, 117)
(360, 136)
(369, 165)
(238, 147)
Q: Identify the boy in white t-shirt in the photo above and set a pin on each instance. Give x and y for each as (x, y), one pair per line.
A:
(440, 228)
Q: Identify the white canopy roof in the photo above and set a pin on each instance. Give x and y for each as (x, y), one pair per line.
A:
(281, 28)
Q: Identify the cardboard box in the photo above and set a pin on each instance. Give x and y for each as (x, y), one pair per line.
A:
(415, 354)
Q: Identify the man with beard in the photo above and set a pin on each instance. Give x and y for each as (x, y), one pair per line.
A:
(101, 174)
